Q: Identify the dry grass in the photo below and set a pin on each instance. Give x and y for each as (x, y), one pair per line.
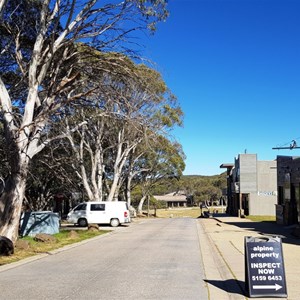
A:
(261, 218)
(62, 239)
(195, 213)
(191, 212)
(178, 213)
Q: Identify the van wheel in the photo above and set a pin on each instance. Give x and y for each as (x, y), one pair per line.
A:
(114, 222)
(82, 222)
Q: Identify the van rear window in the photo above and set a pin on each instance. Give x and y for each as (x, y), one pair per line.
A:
(97, 207)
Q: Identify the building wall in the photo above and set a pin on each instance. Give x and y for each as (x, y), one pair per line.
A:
(267, 177)
(288, 181)
(262, 205)
(248, 173)
(264, 200)
(255, 185)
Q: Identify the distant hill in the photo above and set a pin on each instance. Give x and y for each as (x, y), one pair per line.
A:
(205, 176)
(201, 187)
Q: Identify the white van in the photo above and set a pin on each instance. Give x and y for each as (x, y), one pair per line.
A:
(109, 212)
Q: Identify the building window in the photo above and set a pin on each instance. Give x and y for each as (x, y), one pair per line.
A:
(280, 195)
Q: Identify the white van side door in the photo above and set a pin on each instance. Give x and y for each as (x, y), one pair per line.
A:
(97, 213)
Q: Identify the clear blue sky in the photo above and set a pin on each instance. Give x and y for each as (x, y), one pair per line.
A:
(235, 67)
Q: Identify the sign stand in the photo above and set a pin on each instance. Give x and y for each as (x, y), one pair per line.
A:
(264, 267)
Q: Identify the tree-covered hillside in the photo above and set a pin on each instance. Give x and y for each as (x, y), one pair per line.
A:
(201, 187)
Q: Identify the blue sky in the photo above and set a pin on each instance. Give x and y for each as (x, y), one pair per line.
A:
(234, 66)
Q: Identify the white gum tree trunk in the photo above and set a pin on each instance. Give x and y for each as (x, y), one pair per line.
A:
(11, 202)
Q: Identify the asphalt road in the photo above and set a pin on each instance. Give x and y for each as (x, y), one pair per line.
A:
(155, 259)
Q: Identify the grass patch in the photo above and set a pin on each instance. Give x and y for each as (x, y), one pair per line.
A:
(262, 218)
(178, 213)
(63, 238)
(191, 212)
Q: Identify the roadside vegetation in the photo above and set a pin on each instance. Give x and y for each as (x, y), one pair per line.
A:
(188, 212)
(69, 237)
(83, 115)
(178, 213)
(200, 187)
(262, 218)
(63, 238)
(195, 212)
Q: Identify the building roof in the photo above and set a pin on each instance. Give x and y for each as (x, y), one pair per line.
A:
(226, 166)
(172, 197)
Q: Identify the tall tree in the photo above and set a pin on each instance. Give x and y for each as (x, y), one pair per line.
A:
(164, 160)
(137, 102)
(41, 72)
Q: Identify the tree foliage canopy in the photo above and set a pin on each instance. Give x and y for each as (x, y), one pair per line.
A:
(202, 188)
(54, 61)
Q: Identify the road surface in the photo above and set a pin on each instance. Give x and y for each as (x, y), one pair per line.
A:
(155, 259)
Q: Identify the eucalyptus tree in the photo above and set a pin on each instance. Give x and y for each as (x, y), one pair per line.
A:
(41, 72)
(147, 108)
(42, 185)
(136, 103)
(49, 176)
(165, 159)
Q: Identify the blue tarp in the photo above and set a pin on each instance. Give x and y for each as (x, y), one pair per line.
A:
(32, 223)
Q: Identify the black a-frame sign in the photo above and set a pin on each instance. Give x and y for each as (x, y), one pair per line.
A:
(264, 267)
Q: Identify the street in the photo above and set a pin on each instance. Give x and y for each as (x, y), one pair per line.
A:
(155, 259)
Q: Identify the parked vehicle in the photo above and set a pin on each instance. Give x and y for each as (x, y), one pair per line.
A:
(110, 212)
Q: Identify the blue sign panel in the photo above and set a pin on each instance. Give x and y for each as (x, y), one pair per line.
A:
(264, 267)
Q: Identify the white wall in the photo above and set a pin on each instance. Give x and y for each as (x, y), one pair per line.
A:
(262, 205)
(263, 201)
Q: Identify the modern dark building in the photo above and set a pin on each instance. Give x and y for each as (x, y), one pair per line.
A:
(251, 186)
(288, 182)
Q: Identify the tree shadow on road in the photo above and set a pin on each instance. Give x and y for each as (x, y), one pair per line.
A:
(231, 286)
